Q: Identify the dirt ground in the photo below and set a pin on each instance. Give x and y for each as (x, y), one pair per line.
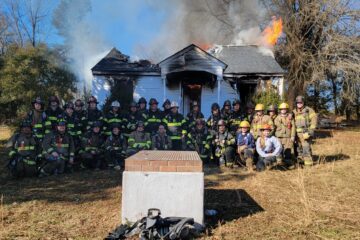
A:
(321, 202)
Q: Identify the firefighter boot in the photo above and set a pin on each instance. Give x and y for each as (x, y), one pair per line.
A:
(249, 164)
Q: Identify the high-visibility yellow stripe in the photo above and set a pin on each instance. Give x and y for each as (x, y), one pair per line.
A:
(174, 124)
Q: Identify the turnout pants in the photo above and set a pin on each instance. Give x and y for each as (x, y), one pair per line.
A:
(304, 149)
(53, 165)
(287, 152)
(93, 161)
(20, 167)
(264, 162)
(246, 156)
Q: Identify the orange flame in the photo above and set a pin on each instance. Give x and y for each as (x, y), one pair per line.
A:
(272, 32)
(204, 46)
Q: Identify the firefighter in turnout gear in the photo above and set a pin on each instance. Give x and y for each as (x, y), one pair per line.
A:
(305, 125)
(194, 115)
(130, 120)
(176, 126)
(53, 114)
(92, 153)
(115, 147)
(250, 108)
(161, 141)
(226, 111)
(272, 111)
(23, 152)
(80, 114)
(259, 120)
(199, 139)
(166, 106)
(73, 125)
(37, 117)
(138, 140)
(142, 108)
(224, 145)
(236, 118)
(285, 132)
(212, 122)
(154, 117)
(246, 145)
(114, 116)
(93, 114)
(58, 150)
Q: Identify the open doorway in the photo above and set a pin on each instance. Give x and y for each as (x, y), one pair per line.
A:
(191, 93)
(246, 92)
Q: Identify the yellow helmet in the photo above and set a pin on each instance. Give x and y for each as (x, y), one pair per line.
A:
(284, 105)
(245, 124)
(259, 107)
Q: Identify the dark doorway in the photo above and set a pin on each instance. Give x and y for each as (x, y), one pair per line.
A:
(191, 93)
(121, 90)
(246, 91)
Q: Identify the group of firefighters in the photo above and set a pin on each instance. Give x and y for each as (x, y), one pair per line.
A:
(56, 140)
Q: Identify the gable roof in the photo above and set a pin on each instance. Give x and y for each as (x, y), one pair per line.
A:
(116, 62)
(248, 59)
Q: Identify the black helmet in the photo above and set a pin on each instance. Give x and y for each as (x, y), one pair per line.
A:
(37, 100)
(140, 124)
(153, 101)
(79, 103)
(133, 104)
(250, 105)
(237, 101)
(227, 103)
(92, 99)
(69, 105)
(167, 102)
(272, 107)
(200, 121)
(115, 125)
(54, 99)
(96, 124)
(25, 123)
(215, 106)
(142, 100)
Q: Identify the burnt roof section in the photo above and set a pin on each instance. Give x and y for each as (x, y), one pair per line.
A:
(248, 59)
(117, 63)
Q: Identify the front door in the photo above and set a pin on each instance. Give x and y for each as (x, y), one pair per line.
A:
(190, 93)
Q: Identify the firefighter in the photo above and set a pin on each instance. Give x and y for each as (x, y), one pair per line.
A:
(93, 113)
(246, 145)
(130, 119)
(113, 116)
(272, 111)
(142, 108)
(285, 131)
(268, 147)
(58, 150)
(199, 139)
(305, 125)
(226, 111)
(236, 117)
(176, 126)
(212, 122)
(73, 126)
(154, 117)
(194, 115)
(161, 141)
(259, 120)
(23, 152)
(138, 140)
(224, 145)
(92, 153)
(166, 106)
(250, 108)
(115, 147)
(80, 115)
(37, 117)
(53, 114)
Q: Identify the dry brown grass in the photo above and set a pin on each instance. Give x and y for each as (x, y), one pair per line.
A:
(321, 202)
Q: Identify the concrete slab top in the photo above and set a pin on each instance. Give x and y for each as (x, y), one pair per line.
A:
(165, 156)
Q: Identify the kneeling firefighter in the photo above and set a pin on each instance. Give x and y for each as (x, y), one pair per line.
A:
(115, 146)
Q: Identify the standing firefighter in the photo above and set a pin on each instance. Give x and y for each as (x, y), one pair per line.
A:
(224, 145)
(250, 108)
(154, 117)
(58, 150)
(272, 111)
(199, 139)
(138, 140)
(212, 122)
(236, 118)
(226, 111)
(161, 141)
(113, 116)
(23, 152)
(130, 120)
(246, 145)
(166, 106)
(53, 114)
(176, 126)
(194, 115)
(259, 120)
(285, 131)
(93, 113)
(37, 117)
(92, 152)
(115, 147)
(305, 124)
(142, 108)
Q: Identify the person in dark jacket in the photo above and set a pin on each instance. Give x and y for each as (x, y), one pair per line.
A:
(161, 141)
(93, 113)
(154, 117)
(113, 116)
(199, 139)
(138, 140)
(115, 147)
(130, 120)
(37, 117)
(212, 122)
(237, 116)
(53, 114)
(226, 111)
(224, 143)
(166, 107)
(194, 115)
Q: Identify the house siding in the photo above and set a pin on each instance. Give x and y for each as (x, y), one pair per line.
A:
(148, 87)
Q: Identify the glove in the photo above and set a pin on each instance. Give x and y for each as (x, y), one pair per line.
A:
(306, 136)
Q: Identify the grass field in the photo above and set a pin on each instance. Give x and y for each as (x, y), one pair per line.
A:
(321, 202)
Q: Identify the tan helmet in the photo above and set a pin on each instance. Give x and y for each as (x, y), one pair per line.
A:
(259, 107)
(299, 99)
(245, 124)
(284, 105)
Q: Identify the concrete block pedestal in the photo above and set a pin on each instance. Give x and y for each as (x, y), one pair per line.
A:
(172, 181)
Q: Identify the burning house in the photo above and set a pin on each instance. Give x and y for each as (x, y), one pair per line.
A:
(191, 74)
